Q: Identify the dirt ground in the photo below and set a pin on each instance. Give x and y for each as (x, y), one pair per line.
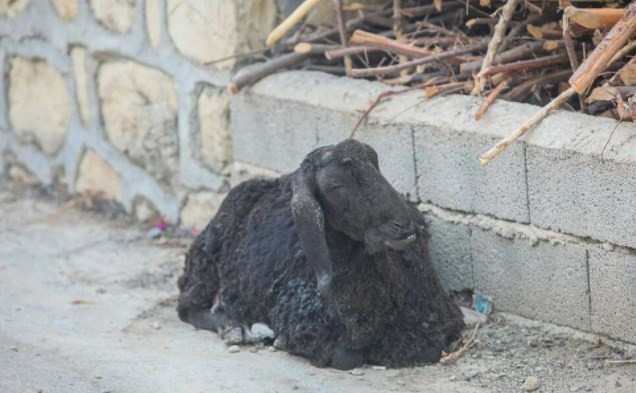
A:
(87, 305)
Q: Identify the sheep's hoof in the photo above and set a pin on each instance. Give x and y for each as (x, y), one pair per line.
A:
(346, 359)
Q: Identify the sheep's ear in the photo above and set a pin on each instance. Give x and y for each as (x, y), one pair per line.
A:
(310, 225)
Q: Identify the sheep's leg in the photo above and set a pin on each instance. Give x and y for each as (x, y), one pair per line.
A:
(344, 358)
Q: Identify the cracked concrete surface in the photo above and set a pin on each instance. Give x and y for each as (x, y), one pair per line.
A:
(87, 305)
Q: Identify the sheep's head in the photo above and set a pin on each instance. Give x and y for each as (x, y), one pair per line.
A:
(353, 197)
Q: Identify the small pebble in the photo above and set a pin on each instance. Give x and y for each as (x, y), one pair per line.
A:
(253, 349)
(272, 349)
(154, 233)
(156, 325)
(356, 371)
(533, 343)
(471, 374)
(453, 378)
(234, 349)
(531, 384)
(378, 368)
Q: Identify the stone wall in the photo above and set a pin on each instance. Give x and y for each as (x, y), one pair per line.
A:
(548, 229)
(121, 97)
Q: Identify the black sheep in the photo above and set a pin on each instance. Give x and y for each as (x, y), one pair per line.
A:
(331, 257)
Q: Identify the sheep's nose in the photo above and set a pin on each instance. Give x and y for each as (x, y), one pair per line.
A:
(403, 229)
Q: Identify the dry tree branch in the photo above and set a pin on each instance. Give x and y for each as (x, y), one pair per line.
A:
(342, 31)
(454, 356)
(503, 85)
(493, 46)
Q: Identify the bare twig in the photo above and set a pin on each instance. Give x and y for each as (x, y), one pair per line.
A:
(503, 85)
(534, 120)
(455, 356)
(493, 46)
(364, 72)
(343, 34)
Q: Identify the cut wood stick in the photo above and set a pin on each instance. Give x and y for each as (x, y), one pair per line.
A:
(291, 21)
(364, 72)
(491, 98)
(498, 35)
(561, 99)
(600, 57)
(519, 52)
(540, 62)
(361, 37)
(594, 18)
(255, 72)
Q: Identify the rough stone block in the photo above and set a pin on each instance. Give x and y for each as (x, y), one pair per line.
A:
(12, 8)
(153, 22)
(78, 57)
(115, 15)
(215, 138)
(39, 103)
(65, 9)
(205, 30)
(612, 279)
(449, 247)
(139, 109)
(199, 209)
(581, 194)
(95, 174)
(545, 281)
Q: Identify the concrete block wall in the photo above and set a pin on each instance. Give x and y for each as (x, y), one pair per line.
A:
(548, 229)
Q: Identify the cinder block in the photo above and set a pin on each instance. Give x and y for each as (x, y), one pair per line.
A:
(546, 282)
(613, 290)
(449, 173)
(449, 247)
(271, 133)
(581, 194)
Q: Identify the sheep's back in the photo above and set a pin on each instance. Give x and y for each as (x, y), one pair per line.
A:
(260, 247)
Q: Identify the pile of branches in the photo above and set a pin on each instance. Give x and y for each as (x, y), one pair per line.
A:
(568, 53)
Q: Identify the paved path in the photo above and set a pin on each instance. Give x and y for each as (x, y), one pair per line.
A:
(87, 305)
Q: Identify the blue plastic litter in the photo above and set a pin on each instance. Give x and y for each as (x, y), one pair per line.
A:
(482, 303)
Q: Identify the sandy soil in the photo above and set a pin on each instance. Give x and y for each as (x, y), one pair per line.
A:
(87, 305)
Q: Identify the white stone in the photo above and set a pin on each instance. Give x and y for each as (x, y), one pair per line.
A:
(12, 8)
(18, 174)
(144, 210)
(65, 9)
(39, 103)
(95, 174)
(78, 57)
(199, 208)
(214, 127)
(115, 15)
(207, 30)
(139, 108)
(153, 22)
